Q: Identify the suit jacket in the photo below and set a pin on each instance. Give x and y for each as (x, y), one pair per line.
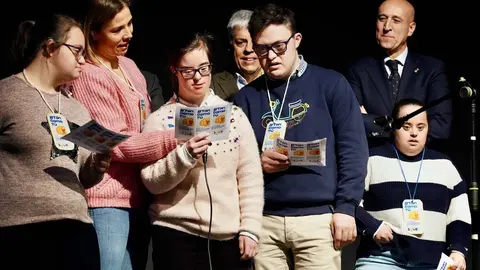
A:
(224, 84)
(154, 89)
(423, 78)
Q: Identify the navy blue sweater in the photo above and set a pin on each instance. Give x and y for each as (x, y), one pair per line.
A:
(319, 104)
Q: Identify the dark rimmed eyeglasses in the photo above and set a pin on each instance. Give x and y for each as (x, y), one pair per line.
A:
(277, 47)
(77, 51)
(189, 73)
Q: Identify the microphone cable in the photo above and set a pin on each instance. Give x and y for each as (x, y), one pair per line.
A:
(204, 158)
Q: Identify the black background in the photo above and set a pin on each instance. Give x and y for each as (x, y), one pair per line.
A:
(335, 33)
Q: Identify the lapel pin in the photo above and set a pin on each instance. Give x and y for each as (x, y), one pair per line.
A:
(416, 70)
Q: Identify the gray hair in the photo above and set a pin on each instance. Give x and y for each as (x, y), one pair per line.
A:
(238, 19)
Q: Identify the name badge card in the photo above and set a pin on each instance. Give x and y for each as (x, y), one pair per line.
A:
(58, 128)
(275, 129)
(143, 113)
(413, 216)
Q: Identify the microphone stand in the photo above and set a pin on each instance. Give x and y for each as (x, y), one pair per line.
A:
(397, 124)
(388, 124)
(473, 189)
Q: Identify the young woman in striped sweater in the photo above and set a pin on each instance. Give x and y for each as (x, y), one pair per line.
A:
(415, 204)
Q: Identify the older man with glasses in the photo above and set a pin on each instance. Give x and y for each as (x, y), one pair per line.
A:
(309, 210)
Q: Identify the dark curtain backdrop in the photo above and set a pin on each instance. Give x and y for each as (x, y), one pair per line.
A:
(335, 33)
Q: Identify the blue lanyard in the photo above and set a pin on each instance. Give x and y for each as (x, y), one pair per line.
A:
(405, 178)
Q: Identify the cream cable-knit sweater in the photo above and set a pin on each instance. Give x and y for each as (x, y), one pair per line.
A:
(234, 175)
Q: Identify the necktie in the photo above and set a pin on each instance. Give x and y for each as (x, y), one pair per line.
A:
(394, 77)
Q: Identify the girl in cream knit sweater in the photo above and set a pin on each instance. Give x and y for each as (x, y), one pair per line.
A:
(180, 212)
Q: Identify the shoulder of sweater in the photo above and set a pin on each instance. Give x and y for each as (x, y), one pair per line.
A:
(252, 89)
(433, 154)
(323, 74)
(384, 150)
(10, 84)
(90, 68)
(165, 109)
(128, 62)
(90, 72)
(236, 110)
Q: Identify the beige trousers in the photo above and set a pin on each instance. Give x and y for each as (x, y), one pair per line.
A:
(300, 243)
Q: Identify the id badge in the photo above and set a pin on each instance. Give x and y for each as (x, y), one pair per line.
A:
(275, 129)
(413, 216)
(143, 113)
(59, 127)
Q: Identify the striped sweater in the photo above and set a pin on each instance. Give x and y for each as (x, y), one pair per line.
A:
(445, 204)
(114, 105)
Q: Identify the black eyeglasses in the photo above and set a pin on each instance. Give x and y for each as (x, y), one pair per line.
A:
(189, 73)
(277, 47)
(77, 51)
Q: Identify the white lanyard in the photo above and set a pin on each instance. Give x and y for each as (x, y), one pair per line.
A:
(283, 100)
(126, 80)
(41, 94)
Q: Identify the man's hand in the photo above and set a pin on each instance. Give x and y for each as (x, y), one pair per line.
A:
(248, 247)
(274, 162)
(362, 110)
(344, 230)
(384, 235)
(459, 261)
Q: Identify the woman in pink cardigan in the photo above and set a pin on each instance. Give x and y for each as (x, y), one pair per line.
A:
(114, 91)
(183, 225)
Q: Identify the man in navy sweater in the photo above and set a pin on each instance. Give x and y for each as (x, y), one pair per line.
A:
(309, 210)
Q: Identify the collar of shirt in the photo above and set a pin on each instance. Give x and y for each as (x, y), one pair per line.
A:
(205, 102)
(302, 66)
(402, 58)
(241, 82)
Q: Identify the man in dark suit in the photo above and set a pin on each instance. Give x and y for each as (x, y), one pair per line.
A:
(154, 89)
(397, 73)
(225, 84)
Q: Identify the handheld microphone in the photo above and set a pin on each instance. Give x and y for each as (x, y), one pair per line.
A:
(466, 90)
(204, 157)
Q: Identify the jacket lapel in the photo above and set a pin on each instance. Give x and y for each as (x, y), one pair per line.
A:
(378, 75)
(408, 76)
(227, 84)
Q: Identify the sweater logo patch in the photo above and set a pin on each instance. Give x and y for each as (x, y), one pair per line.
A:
(296, 112)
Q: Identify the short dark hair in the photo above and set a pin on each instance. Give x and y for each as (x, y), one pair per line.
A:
(269, 14)
(405, 102)
(185, 43)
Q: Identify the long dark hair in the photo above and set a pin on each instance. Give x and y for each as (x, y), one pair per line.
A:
(32, 37)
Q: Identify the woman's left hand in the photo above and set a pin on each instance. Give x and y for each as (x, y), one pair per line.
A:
(459, 261)
(248, 247)
(101, 162)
